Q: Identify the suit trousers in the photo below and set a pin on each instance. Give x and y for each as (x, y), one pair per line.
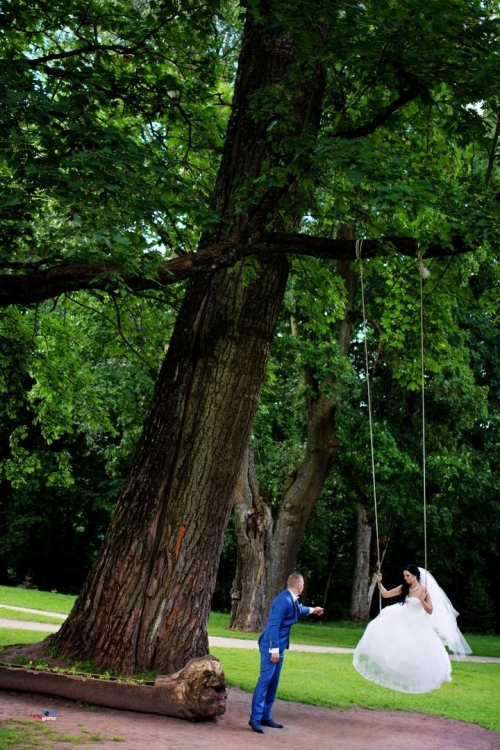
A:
(267, 685)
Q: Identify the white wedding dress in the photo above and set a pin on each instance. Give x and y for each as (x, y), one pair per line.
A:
(400, 650)
(403, 649)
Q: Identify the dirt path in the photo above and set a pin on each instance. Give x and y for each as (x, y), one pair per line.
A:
(305, 726)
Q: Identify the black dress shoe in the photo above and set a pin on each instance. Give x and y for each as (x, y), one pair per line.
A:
(271, 723)
(256, 726)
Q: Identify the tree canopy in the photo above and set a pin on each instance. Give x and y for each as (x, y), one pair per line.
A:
(113, 125)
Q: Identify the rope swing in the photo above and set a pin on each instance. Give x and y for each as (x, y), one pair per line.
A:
(359, 245)
(423, 274)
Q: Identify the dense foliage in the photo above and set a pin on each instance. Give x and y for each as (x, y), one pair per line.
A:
(77, 382)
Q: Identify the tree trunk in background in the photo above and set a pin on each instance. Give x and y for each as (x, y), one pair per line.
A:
(326, 590)
(301, 494)
(363, 582)
(146, 603)
(306, 484)
(253, 522)
(360, 592)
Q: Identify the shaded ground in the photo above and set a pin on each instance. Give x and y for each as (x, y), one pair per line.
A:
(305, 726)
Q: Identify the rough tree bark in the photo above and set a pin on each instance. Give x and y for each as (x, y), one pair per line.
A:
(253, 523)
(146, 602)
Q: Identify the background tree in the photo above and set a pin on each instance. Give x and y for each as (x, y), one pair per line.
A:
(317, 341)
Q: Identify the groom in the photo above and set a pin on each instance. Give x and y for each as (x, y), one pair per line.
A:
(285, 611)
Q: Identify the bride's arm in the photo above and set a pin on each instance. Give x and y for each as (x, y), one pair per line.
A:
(426, 600)
(387, 594)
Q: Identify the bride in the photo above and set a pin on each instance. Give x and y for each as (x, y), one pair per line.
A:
(402, 648)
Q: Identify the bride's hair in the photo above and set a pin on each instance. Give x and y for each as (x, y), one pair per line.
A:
(415, 571)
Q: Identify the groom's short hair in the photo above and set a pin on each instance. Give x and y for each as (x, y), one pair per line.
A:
(293, 580)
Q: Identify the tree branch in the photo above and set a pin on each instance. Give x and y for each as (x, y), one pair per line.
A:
(36, 62)
(37, 285)
(370, 127)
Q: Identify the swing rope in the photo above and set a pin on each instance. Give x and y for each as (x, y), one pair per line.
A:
(359, 245)
(424, 273)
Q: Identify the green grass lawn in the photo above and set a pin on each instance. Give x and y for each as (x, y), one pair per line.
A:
(11, 636)
(331, 680)
(34, 599)
(319, 633)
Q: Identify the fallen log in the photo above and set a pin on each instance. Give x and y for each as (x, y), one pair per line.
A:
(197, 692)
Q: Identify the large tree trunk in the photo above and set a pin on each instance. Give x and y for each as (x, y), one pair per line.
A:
(303, 490)
(146, 603)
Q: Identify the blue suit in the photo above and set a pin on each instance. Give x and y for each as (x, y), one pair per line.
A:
(283, 614)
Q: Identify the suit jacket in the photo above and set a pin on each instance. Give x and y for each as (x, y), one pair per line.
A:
(283, 614)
